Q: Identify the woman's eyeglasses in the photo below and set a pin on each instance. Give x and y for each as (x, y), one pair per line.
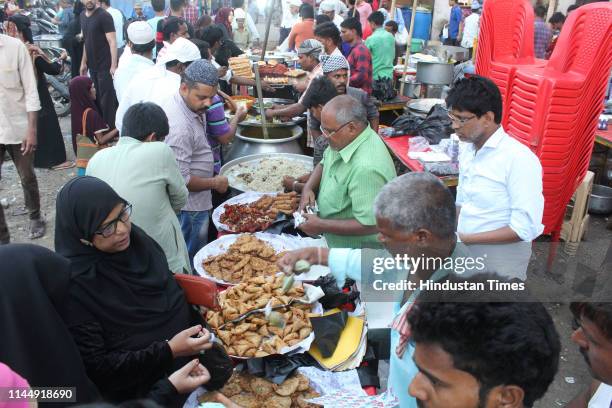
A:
(110, 228)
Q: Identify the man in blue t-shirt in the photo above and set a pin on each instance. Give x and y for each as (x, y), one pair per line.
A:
(453, 23)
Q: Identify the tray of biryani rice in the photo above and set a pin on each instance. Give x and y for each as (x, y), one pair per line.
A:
(263, 316)
(249, 391)
(231, 259)
(264, 172)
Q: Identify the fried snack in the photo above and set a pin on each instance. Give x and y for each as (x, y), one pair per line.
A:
(262, 387)
(254, 336)
(258, 215)
(288, 387)
(295, 73)
(241, 66)
(249, 391)
(246, 400)
(277, 401)
(247, 257)
(272, 69)
(276, 80)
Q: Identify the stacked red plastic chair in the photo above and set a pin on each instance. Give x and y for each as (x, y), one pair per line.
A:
(505, 42)
(554, 109)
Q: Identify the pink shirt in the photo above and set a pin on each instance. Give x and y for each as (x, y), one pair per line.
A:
(364, 10)
(10, 379)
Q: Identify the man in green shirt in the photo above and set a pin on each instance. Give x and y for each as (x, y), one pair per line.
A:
(353, 170)
(382, 47)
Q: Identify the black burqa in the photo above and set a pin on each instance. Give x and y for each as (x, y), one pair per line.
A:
(131, 297)
(50, 150)
(35, 342)
(129, 290)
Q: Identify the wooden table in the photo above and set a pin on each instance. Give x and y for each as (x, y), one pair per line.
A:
(399, 148)
(604, 137)
(398, 103)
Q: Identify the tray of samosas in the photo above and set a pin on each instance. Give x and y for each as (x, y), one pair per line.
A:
(231, 259)
(260, 335)
(252, 212)
(249, 391)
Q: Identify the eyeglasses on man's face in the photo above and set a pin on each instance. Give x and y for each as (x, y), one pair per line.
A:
(330, 133)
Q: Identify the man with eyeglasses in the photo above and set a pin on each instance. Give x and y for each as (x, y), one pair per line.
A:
(353, 170)
(499, 196)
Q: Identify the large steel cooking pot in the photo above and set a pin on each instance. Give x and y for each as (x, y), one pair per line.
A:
(249, 140)
(601, 200)
(459, 54)
(434, 73)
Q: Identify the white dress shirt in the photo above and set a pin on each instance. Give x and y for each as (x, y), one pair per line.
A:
(129, 70)
(470, 30)
(155, 84)
(501, 186)
(118, 22)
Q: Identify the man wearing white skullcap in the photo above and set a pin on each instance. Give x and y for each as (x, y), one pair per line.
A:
(241, 35)
(328, 8)
(141, 40)
(291, 15)
(159, 82)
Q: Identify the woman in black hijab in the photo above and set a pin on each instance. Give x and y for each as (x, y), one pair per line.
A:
(129, 317)
(36, 343)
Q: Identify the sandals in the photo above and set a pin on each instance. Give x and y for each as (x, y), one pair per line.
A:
(65, 165)
(37, 228)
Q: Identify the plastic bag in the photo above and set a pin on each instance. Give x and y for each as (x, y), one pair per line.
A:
(407, 124)
(335, 297)
(383, 90)
(418, 144)
(435, 127)
(327, 330)
(277, 367)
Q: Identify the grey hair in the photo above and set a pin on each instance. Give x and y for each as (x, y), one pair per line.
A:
(417, 200)
(349, 109)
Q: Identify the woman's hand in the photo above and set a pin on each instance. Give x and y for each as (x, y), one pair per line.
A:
(184, 344)
(189, 377)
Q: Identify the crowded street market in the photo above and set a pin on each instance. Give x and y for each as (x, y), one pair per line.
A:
(306, 203)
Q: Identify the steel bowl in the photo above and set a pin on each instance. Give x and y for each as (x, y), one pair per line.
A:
(601, 200)
(434, 73)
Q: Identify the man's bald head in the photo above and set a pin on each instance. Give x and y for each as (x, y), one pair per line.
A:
(348, 109)
(342, 120)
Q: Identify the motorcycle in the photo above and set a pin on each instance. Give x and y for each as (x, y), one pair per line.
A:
(58, 84)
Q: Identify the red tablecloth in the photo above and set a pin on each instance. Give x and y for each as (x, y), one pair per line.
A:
(399, 147)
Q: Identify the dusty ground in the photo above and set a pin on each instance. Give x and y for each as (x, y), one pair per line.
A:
(573, 375)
